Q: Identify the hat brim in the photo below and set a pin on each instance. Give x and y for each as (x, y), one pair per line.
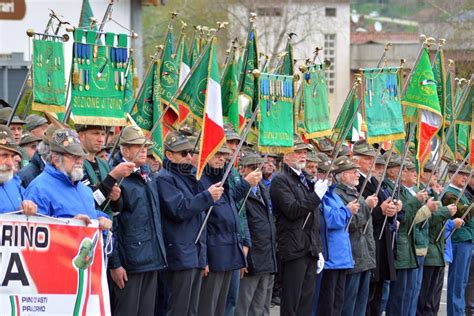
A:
(346, 168)
(140, 141)
(11, 148)
(183, 147)
(224, 150)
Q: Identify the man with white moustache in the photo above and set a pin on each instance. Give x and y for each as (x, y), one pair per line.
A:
(58, 191)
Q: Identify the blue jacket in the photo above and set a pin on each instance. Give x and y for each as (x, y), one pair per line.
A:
(57, 196)
(335, 238)
(448, 250)
(224, 240)
(139, 245)
(11, 195)
(182, 213)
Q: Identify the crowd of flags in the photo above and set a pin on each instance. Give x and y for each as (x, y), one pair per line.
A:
(185, 85)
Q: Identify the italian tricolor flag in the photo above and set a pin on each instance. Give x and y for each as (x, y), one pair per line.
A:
(213, 136)
(421, 94)
(202, 98)
(184, 70)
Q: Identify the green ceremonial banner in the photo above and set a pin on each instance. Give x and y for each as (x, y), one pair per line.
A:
(230, 95)
(421, 92)
(169, 73)
(248, 84)
(341, 120)
(148, 109)
(98, 80)
(193, 94)
(275, 119)
(383, 111)
(49, 86)
(287, 67)
(314, 120)
(466, 105)
(439, 74)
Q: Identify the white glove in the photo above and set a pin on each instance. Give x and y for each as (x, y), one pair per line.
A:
(320, 187)
(320, 264)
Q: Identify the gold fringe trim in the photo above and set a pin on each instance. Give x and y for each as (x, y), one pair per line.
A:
(275, 150)
(385, 138)
(317, 134)
(94, 120)
(420, 106)
(41, 107)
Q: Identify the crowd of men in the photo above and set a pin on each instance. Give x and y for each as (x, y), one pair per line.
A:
(315, 234)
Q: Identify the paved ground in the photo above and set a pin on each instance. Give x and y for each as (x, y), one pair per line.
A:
(275, 311)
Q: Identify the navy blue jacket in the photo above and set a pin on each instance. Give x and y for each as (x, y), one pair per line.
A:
(182, 212)
(29, 172)
(139, 245)
(224, 240)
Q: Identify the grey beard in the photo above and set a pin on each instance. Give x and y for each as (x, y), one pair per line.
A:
(5, 176)
(76, 174)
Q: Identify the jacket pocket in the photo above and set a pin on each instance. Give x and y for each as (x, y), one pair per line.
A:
(139, 251)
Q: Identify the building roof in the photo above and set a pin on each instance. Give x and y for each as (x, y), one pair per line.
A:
(358, 38)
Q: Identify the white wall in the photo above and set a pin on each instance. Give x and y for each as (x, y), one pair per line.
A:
(311, 24)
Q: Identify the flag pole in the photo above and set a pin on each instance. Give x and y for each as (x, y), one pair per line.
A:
(462, 217)
(338, 145)
(396, 186)
(230, 165)
(221, 25)
(455, 203)
(442, 150)
(364, 184)
(229, 58)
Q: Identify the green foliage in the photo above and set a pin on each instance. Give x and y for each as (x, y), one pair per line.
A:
(193, 13)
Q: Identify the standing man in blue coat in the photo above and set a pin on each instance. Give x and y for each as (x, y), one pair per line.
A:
(58, 191)
(182, 211)
(11, 192)
(139, 251)
(224, 238)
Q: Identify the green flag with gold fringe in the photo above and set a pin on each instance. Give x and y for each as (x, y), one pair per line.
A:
(98, 83)
(148, 109)
(49, 85)
(248, 84)
(287, 65)
(230, 95)
(382, 108)
(193, 94)
(313, 109)
(276, 129)
(169, 73)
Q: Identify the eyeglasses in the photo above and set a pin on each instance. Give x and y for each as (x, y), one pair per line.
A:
(185, 153)
(74, 157)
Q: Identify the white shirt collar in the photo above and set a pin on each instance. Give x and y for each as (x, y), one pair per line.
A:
(298, 172)
(134, 169)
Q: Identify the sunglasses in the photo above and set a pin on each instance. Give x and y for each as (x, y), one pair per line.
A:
(185, 153)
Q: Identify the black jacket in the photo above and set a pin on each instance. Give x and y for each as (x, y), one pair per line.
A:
(262, 255)
(29, 172)
(291, 202)
(384, 255)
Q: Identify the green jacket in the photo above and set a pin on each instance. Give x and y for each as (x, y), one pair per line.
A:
(363, 245)
(406, 255)
(435, 255)
(466, 232)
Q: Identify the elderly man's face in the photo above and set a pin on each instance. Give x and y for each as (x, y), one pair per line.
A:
(350, 177)
(311, 168)
(7, 164)
(365, 162)
(39, 131)
(70, 165)
(459, 180)
(218, 160)
(296, 159)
